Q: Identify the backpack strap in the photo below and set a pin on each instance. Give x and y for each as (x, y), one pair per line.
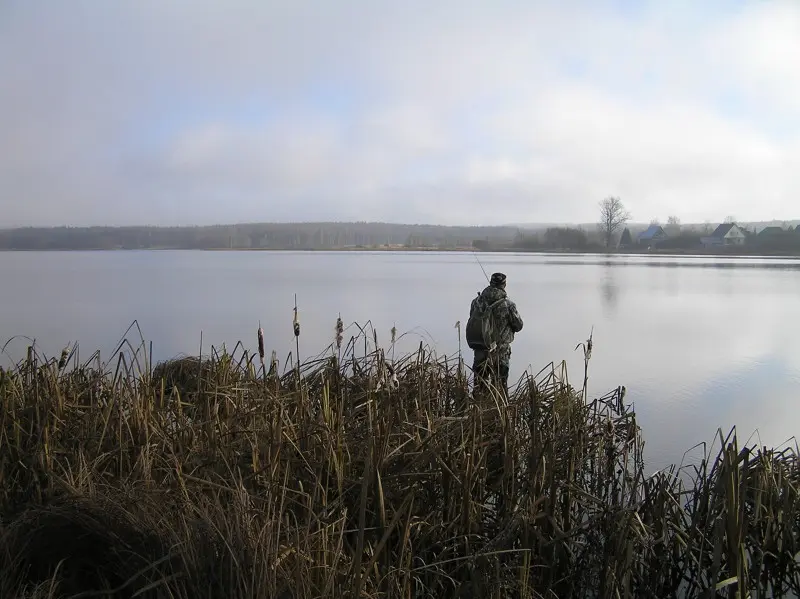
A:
(492, 305)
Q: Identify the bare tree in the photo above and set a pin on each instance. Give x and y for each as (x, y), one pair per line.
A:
(612, 216)
(729, 220)
(673, 225)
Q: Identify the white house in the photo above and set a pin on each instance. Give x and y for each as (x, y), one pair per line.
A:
(725, 234)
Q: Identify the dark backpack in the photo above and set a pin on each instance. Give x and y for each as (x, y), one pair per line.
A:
(481, 331)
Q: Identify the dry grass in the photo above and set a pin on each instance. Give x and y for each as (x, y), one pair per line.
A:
(223, 479)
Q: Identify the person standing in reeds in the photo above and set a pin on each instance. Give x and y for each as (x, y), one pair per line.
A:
(493, 321)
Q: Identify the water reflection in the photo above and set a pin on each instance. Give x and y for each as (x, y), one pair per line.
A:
(609, 290)
(763, 264)
(744, 396)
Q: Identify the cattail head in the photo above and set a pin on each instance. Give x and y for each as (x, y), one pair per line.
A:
(296, 323)
(393, 376)
(394, 334)
(339, 332)
(63, 360)
(260, 344)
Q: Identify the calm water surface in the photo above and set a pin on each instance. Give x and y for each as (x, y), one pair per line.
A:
(700, 343)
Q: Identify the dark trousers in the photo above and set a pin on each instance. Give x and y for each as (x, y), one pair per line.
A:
(490, 371)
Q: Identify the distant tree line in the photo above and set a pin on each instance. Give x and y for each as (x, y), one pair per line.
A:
(558, 238)
(608, 233)
(254, 236)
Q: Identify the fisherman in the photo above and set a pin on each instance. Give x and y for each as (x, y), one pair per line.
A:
(493, 321)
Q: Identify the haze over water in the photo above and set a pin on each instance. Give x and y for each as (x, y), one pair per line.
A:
(699, 343)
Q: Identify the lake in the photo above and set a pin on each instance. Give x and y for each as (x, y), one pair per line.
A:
(699, 342)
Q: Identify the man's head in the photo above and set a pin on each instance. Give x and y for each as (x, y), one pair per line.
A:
(498, 280)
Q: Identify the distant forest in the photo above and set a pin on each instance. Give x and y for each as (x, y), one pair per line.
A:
(366, 235)
(274, 236)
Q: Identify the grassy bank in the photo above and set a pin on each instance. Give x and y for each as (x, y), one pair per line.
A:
(357, 475)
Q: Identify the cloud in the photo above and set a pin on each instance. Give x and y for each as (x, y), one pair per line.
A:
(461, 112)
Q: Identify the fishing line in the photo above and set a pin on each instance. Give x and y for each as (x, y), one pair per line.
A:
(481, 265)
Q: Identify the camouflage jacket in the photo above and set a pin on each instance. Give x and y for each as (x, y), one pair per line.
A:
(508, 318)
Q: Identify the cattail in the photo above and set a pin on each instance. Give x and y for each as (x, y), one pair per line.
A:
(63, 360)
(260, 344)
(296, 326)
(339, 332)
(273, 363)
(394, 334)
(393, 376)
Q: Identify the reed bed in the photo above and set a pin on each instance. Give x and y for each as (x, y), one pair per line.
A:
(359, 475)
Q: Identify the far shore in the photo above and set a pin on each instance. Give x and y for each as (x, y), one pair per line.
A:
(693, 253)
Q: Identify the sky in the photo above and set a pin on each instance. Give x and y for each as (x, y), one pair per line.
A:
(448, 112)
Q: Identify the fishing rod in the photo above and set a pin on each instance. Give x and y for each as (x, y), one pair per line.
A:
(481, 265)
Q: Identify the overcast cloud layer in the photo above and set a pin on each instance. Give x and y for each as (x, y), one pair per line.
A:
(450, 112)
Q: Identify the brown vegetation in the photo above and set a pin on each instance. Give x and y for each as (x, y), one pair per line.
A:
(357, 476)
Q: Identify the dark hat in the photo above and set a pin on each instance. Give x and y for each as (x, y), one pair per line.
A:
(498, 279)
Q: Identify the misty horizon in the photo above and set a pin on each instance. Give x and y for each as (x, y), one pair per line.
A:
(632, 223)
(194, 114)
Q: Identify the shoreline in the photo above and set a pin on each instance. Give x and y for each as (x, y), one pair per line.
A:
(545, 252)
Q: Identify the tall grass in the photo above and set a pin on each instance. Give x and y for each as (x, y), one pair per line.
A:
(356, 475)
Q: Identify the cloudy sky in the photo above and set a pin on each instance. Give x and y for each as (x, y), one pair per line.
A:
(451, 111)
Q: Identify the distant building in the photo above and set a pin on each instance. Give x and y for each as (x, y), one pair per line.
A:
(626, 240)
(771, 232)
(725, 235)
(652, 236)
(777, 238)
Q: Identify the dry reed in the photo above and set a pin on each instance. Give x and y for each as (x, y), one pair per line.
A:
(211, 479)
